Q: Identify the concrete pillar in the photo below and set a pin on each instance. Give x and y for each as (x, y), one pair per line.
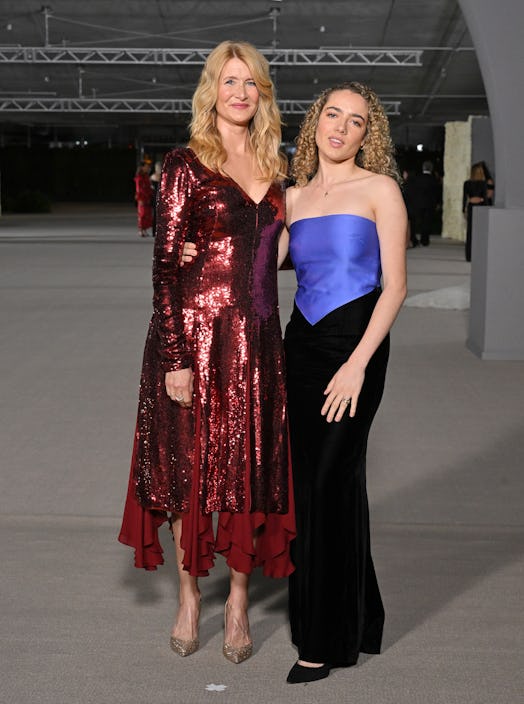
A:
(496, 326)
(482, 142)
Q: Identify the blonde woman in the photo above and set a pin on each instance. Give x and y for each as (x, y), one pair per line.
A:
(347, 230)
(212, 428)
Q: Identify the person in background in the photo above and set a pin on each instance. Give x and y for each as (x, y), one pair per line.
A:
(409, 241)
(212, 433)
(474, 193)
(422, 194)
(490, 184)
(143, 199)
(155, 183)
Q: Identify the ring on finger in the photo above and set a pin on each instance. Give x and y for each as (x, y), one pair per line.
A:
(179, 398)
(346, 401)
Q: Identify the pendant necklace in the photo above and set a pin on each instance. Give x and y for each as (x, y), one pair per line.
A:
(337, 183)
(346, 180)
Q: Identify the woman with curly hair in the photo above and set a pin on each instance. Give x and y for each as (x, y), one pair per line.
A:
(211, 433)
(347, 233)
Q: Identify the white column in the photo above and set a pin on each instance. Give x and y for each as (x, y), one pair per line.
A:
(457, 160)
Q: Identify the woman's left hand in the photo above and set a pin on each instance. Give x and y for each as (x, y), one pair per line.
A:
(343, 391)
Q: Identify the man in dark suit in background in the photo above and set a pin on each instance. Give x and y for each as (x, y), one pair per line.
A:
(422, 196)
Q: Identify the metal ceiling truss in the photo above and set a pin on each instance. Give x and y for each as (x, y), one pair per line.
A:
(196, 57)
(181, 105)
(297, 107)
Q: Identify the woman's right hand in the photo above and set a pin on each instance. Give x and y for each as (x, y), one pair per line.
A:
(179, 387)
(188, 253)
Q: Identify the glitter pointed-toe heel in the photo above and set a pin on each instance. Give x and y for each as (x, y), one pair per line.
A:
(237, 655)
(232, 653)
(184, 647)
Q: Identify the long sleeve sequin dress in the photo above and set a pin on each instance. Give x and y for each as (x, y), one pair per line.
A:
(229, 453)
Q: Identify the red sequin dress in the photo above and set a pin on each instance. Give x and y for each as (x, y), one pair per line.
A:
(229, 453)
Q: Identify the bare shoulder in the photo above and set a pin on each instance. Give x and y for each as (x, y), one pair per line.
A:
(292, 195)
(388, 206)
(385, 185)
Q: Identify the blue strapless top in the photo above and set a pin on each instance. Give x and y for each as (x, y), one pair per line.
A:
(336, 260)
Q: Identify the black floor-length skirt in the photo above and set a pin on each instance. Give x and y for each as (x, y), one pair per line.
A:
(336, 610)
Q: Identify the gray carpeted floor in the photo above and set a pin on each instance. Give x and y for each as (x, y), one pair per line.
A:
(80, 625)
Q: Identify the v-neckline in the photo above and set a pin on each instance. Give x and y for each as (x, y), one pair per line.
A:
(235, 183)
(245, 193)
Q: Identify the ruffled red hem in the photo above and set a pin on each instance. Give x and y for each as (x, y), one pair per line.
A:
(140, 531)
(234, 539)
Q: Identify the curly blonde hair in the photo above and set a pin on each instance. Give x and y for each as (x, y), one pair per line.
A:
(265, 129)
(377, 152)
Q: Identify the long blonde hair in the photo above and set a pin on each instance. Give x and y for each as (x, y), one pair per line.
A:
(265, 129)
(376, 154)
(477, 172)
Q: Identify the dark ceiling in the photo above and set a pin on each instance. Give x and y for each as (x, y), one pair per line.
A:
(427, 72)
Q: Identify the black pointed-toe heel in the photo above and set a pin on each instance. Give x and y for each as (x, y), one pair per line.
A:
(300, 674)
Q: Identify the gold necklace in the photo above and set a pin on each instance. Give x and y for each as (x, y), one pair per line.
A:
(337, 183)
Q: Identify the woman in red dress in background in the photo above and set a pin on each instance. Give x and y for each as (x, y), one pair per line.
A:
(212, 427)
(143, 195)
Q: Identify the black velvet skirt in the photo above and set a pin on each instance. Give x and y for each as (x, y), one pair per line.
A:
(336, 610)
